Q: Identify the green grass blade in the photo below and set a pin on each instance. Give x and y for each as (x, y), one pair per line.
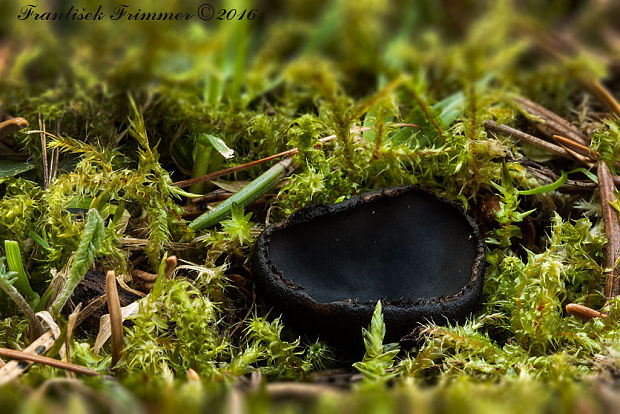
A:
(244, 197)
(14, 262)
(546, 188)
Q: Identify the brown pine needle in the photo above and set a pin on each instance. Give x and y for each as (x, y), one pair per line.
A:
(522, 136)
(587, 161)
(553, 123)
(221, 173)
(575, 146)
(611, 222)
(116, 317)
(39, 359)
(13, 369)
(581, 149)
(583, 312)
(601, 93)
(143, 276)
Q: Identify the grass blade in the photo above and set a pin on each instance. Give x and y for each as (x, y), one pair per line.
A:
(246, 196)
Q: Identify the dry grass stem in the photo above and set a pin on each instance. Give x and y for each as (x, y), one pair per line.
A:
(607, 190)
(39, 359)
(116, 318)
(522, 136)
(553, 123)
(13, 369)
(583, 312)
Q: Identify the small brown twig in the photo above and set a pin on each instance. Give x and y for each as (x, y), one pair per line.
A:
(553, 123)
(601, 93)
(143, 276)
(39, 359)
(148, 279)
(12, 369)
(221, 173)
(583, 312)
(574, 147)
(93, 306)
(116, 316)
(44, 153)
(612, 228)
(12, 125)
(216, 195)
(71, 323)
(522, 136)
(577, 147)
(585, 160)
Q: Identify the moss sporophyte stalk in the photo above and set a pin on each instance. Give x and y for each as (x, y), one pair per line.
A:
(126, 142)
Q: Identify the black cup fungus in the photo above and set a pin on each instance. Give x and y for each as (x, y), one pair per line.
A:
(325, 267)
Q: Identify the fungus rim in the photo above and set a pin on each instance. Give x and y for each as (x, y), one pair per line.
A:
(283, 293)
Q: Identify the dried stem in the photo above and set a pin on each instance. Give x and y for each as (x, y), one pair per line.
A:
(583, 312)
(522, 136)
(35, 326)
(577, 147)
(215, 195)
(221, 173)
(143, 276)
(585, 160)
(116, 317)
(12, 369)
(612, 228)
(13, 354)
(602, 94)
(554, 124)
(44, 153)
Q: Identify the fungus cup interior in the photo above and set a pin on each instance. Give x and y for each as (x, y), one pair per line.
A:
(420, 254)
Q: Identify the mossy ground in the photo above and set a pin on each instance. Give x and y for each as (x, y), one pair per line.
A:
(126, 103)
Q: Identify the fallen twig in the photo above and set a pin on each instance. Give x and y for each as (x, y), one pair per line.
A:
(522, 136)
(116, 318)
(13, 369)
(601, 93)
(39, 359)
(553, 123)
(221, 173)
(583, 312)
(612, 228)
(575, 146)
